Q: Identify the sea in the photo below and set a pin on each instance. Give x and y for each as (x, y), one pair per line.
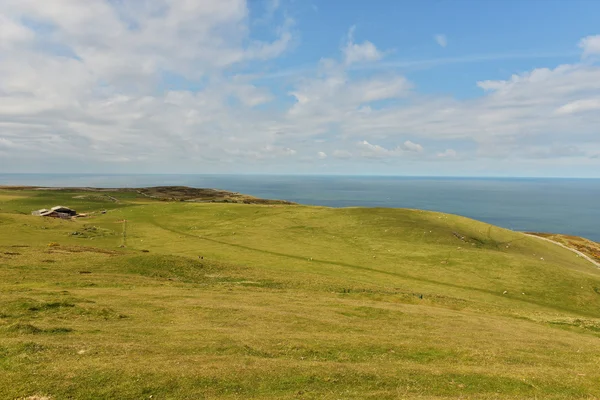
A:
(568, 206)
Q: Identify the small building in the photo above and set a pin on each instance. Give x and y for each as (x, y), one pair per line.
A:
(55, 212)
(64, 210)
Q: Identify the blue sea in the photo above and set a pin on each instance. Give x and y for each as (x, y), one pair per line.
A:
(570, 206)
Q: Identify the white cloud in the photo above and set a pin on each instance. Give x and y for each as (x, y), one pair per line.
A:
(364, 52)
(249, 94)
(580, 106)
(13, 33)
(557, 151)
(6, 144)
(415, 147)
(590, 45)
(334, 94)
(379, 89)
(441, 40)
(524, 106)
(376, 151)
(97, 96)
(267, 152)
(342, 154)
(321, 155)
(449, 153)
(130, 39)
(288, 152)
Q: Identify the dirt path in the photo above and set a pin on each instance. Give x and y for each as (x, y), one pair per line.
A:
(579, 253)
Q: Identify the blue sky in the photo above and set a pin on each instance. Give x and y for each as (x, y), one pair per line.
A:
(476, 88)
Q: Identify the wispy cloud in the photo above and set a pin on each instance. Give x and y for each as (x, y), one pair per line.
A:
(590, 45)
(467, 59)
(440, 39)
(448, 153)
(421, 64)
(271, 6)
(360, 52)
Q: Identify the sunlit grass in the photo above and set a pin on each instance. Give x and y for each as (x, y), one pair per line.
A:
(249, 301)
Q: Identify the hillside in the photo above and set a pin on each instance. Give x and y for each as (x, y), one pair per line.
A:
(164, 193)
(168, 299)
(585, 246)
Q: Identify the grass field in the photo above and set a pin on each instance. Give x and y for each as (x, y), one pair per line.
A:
(586, 246)
(181, 300)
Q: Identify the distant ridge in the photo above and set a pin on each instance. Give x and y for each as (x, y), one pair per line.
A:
(170, 193)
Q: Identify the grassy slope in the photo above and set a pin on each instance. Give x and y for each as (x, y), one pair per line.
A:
(587, 247)
(287, 302)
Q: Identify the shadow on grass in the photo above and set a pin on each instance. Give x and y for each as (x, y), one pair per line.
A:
(29, 329)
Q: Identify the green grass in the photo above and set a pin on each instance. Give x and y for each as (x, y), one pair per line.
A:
(275, 301)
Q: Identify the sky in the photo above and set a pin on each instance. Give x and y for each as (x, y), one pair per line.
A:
(381, 87)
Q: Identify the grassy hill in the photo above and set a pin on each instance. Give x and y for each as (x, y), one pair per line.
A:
(585, 246)
(163, 299)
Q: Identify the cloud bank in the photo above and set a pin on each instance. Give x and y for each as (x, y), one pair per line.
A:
(175, 86)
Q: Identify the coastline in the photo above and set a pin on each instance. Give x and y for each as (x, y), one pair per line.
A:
(591, 249)
(167, 193)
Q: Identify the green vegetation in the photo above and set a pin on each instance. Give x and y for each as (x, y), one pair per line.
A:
(586, 246)
(166, 299)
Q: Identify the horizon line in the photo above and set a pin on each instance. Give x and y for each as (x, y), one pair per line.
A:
(294, 174)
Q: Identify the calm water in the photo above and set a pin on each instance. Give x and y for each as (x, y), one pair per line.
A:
(569, 206)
